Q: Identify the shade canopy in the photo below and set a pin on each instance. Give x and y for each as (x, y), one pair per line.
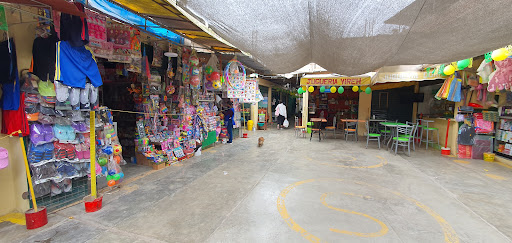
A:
(356, 36)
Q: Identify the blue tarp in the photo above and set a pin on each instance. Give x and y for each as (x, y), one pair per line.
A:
(122, 14)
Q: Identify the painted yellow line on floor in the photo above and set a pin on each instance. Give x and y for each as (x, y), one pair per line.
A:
(461, 161)
(15, 218)
(503, 164)
(450, 235)
(496, 177)
(383, 228)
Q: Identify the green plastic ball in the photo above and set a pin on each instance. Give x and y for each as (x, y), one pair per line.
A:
(116, 177)
(102, 161)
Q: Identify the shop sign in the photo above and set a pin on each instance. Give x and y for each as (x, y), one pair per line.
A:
(407, 76)
(336, 81)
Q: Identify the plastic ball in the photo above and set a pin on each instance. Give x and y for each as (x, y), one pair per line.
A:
(111, 183)
(463, 64)
(341, 90)
(355, 88)
(108, 150)
(311, 89)
(500, 54)
(368, 90)
(121, 174)
(333, 90)
(208, 70)
(194, 60)
(209, 77)
(449, 70)
(112, 172)
(108, 136)
(117, 159)
(195, 80)
(102, 161)
(109, 177)
(216, 85)
(215, 76)
(322, 89)
(116, 177)
(117, 149)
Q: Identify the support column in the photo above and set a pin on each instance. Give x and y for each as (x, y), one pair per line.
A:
(254, 115)
(305, 111)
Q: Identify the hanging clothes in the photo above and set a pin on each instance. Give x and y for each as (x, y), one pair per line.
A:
(74, 28)
(74, 65)
(7, 61)
(43, 57)
(15, 120)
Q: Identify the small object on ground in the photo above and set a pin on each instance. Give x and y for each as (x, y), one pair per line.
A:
(260, 141)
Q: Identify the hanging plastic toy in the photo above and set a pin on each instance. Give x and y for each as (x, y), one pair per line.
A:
(231, 69)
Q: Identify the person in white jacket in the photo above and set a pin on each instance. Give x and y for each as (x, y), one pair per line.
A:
(280, 115)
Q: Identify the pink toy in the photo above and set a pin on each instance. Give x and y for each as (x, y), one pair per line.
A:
(502, 77)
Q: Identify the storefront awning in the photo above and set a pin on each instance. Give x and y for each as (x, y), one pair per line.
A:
(164, 13)
(59, 5)
(336, 80)
(124, 15)
(405, 73)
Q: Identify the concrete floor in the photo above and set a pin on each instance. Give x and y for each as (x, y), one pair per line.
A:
(294, 190)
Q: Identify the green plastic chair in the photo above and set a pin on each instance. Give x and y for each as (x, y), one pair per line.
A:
(371, 136)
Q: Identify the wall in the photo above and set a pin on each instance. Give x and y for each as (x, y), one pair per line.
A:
(13, 180)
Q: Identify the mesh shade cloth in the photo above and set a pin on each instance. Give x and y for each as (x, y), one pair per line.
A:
(357, 36)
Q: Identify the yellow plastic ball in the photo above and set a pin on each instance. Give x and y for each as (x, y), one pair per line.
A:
(333, 89)
(311, 89)
(449, 70)
(500, 54)
(355, 88)
(216, 85)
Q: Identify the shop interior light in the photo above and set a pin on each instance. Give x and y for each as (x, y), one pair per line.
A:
(171, 54)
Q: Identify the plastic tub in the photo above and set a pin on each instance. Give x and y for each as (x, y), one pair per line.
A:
(36, 219)
(92, 204)
(489, 157)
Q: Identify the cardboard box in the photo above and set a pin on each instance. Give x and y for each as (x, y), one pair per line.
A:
(158, 166)
(142, 160)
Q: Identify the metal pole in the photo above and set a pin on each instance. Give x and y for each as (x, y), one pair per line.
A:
(92, 118)
(27, 170)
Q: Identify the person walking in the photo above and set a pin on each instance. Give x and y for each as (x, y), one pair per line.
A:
(229, 113)
(280, 115)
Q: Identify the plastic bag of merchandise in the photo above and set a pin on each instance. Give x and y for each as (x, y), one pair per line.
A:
(41, 189)
(114, 173)
(42, 153)
(83, 168)
(41, 133)
(60, 186)
(44, 172)
(66, 169)
(76, 116)
(80, 126)
(45, 119)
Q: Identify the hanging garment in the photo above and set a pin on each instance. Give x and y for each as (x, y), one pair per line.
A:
(11, 94)
(502, 77)
(74, 65)
(8, 64)
(43, 57)
(13, 121)
(466, 135)
(74, 28)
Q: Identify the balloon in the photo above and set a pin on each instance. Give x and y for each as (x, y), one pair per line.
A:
(341, 90)
(300, 91)
(449, 70)
(208, 70)
(368, 90)
(109, 177)
(116, 177)
(111, 183)
(333, 89)
(311, 89)
(215, 76)
(304, 88)
(322, 89)
(463, 64)
(102, 161)
(355, 88)
(500, 54)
